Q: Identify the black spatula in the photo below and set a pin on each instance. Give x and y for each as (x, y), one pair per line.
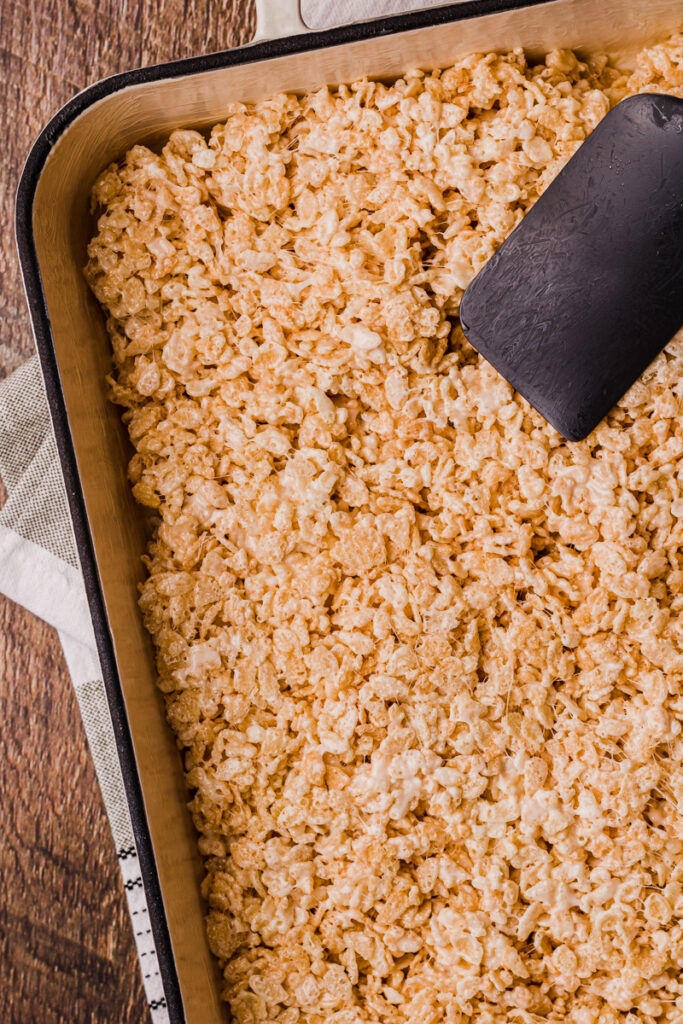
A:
(588, 288)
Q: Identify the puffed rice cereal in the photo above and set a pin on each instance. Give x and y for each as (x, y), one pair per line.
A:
(423, 657)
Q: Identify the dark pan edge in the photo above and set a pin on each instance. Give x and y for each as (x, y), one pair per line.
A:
(40, 323)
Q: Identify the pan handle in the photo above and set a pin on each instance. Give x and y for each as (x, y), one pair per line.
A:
(278, 18)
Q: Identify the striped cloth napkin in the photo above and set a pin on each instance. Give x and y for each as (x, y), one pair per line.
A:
(39, 569)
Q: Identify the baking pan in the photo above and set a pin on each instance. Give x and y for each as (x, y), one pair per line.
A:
(53, 227)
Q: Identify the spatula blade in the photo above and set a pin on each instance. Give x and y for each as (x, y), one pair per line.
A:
(588, 288)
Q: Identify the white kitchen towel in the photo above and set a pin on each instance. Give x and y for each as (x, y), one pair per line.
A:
(39, 566)
(39, 569)
(322, 14)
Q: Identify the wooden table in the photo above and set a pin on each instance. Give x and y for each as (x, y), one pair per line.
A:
(66, 944)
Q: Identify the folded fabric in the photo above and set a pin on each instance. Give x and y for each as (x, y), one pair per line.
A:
(322, 14)
(39, 569)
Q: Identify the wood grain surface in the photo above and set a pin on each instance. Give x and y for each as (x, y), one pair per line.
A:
(66, 943)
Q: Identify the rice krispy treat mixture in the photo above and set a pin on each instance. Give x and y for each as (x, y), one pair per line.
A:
(423, 657)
